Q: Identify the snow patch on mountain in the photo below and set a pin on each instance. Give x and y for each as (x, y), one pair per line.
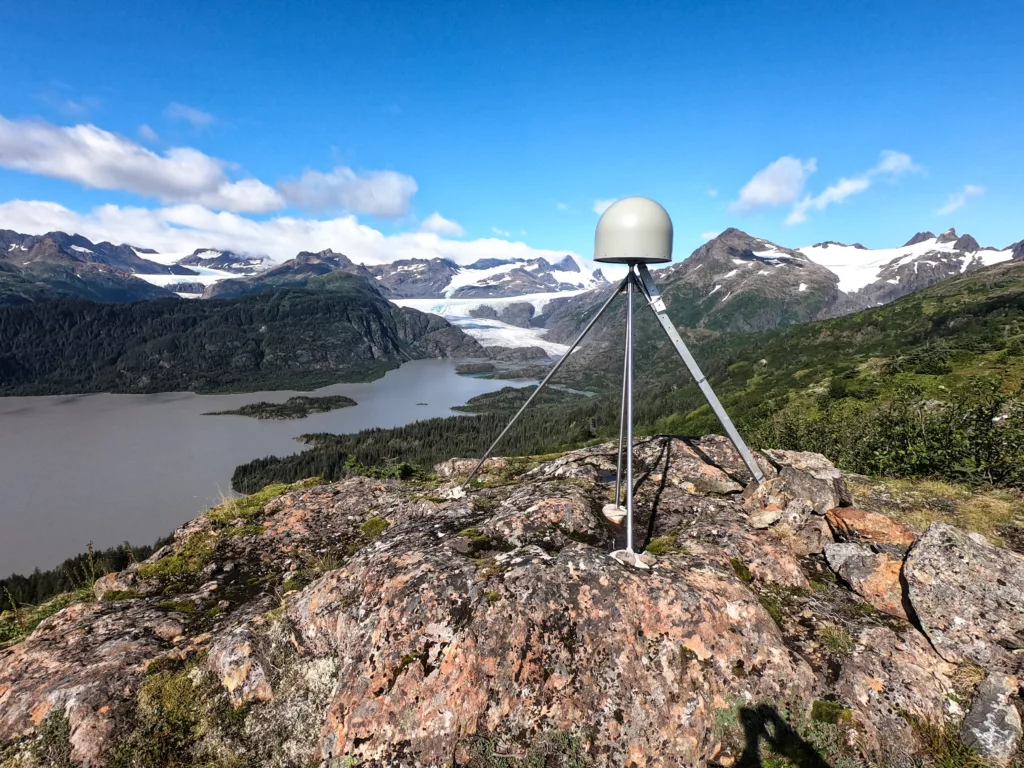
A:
(858, 267)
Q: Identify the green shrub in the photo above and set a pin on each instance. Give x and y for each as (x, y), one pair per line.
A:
(189, 558)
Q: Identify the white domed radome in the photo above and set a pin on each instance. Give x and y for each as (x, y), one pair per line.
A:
(634, 230)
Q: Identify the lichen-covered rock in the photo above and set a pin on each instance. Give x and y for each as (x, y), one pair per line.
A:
(889, 673)
(89, 659)
(873, 576)
(422, 624)
(993, 726)
(813, 477)
(439, 649)
(969, 597)
(856, 525)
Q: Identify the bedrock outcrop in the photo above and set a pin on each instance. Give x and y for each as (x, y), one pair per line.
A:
(382, 623)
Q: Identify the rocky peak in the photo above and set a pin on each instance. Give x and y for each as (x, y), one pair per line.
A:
(967, 244)
(389, 623)
(949, 236)
(920, 237)
(1017, 249)
(326, 256)
(567, 264)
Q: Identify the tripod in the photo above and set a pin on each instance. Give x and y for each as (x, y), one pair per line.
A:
(637, 279)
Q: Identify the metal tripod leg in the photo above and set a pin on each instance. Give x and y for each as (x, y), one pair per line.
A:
(552, 372)
(658, 305)
(622, 424)
(629, 410)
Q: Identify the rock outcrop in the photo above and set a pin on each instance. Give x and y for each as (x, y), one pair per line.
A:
(381, 623)
(969, 597)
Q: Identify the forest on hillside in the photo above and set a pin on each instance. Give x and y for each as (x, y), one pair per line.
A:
(294, 338)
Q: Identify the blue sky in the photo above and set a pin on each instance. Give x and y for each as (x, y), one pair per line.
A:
(312, 124)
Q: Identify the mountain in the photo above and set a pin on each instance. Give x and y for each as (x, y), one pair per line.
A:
(43, 268)
(278, 338)
(294, 272)
(227, 261)
(872, 277)
(380, 622)
(484, 278)
(123, 258)
(739, 283)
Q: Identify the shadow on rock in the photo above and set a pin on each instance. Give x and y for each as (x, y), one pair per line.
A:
(765, 723)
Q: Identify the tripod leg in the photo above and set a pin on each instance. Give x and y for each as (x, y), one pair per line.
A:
(552, 372)
(658, 305)
(622, 426)
(629, 411)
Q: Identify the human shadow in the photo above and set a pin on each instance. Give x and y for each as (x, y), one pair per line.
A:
(765, 723)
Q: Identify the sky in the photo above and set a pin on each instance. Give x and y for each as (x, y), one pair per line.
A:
(389, 130)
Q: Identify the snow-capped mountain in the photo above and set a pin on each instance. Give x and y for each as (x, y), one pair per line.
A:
(485, 278)
(878, 276)
(737, 282)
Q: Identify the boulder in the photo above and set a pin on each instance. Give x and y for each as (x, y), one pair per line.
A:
(873, 576)
(889, 673)
(993, 726)
(816, 466)
(856, 525)
(969, 597)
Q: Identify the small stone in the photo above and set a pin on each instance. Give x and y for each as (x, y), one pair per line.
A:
(852, 524)
(873, 576)
(993, 726)
(626, 557)
(765, 517)
(812, 537)
(613, 513)
(460, 544)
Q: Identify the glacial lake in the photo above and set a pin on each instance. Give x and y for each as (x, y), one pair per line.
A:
(114, 468)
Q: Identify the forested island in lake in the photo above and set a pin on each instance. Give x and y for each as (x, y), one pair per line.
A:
(298, 407)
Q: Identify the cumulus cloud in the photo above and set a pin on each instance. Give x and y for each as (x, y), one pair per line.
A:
(99, 159)
(890, 164)
(600, 206)
(956, 201)
(183, 228)
(387, 194)
(779, 183)
(439, 225)
(501, 232)
(197, 117)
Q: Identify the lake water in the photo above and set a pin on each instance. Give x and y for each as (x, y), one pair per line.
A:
(113, 468)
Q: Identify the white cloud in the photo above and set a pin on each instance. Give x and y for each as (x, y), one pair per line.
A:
(377, 193)
(148, 134)
(178, 111)
(890, 164)
(600, 206)
(439, 225)
(956, 201)
(501, 232)
(183, 228)
(709, 235)
(779, 183)
(99, 159)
